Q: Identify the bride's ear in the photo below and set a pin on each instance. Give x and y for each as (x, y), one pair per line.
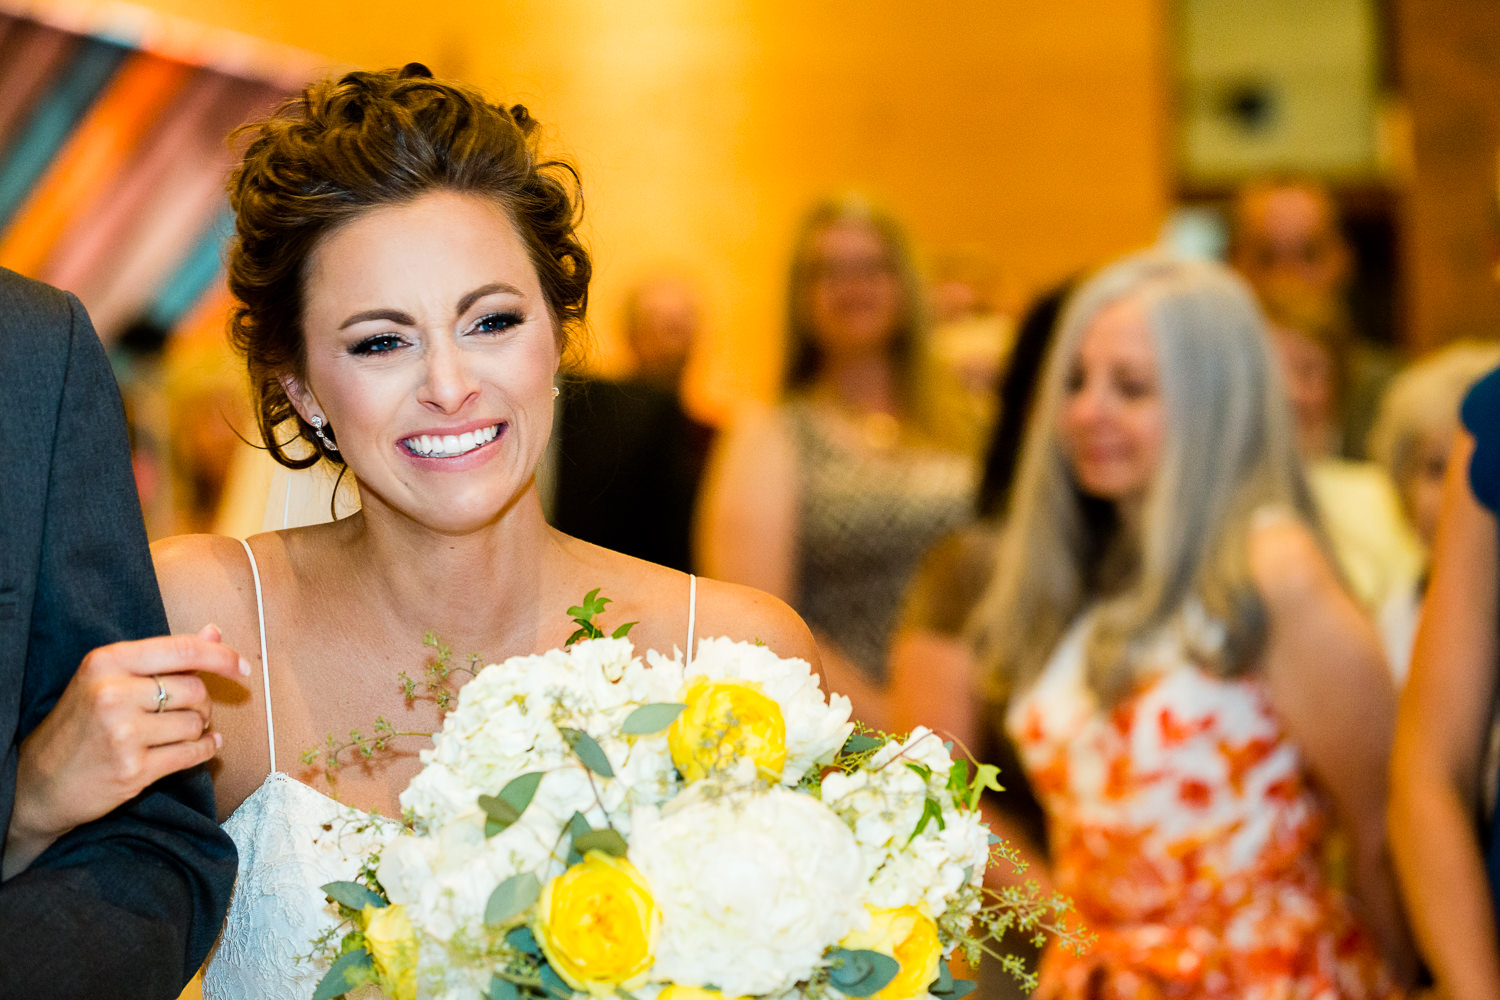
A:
(302, 401)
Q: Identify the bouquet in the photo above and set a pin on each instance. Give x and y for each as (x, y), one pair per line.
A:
(590, 822)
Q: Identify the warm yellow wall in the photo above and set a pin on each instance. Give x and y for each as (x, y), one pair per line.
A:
(1035, 131)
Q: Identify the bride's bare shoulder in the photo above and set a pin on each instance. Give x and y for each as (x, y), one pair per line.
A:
(744, 613)
(203, 578)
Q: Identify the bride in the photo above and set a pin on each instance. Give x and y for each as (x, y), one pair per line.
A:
(409, 276)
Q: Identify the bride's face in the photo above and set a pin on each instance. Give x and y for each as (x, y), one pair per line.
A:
(431, 355)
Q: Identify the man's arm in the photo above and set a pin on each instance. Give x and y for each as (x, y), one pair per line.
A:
(129, 904)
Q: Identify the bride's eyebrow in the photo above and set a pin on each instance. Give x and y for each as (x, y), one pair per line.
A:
(405, 319)
(394, 315)
(483, 290)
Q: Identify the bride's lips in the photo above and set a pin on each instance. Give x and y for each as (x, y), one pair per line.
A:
(453, 448)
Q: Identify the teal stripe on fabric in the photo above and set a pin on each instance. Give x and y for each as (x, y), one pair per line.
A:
(195, 274)
(53, 120)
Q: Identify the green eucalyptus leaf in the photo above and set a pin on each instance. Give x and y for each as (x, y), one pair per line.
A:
(350, 970)
(521, 939)
(859, 972)
(944, 982)
(353, 895)
(607, 840)
(588, 750)
(503, 989)
(957, 988)
(553, 984)
(519, 791)
(652, 718)
(499, 814)
(861, 743)
(511, 898)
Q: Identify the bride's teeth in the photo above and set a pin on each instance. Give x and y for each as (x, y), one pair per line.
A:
(452, 445)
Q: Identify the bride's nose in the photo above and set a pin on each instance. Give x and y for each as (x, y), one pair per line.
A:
(448, 384)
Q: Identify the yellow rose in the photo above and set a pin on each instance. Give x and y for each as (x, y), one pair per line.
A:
(910, 937)
(393, 945)
(675, 992)
(597, 924)
(724, 721)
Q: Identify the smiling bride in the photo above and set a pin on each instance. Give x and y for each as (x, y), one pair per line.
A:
(409, 276)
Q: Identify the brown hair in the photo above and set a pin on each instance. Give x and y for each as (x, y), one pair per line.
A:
(367, 139)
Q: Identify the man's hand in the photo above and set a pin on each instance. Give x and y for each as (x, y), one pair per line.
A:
(134, 712)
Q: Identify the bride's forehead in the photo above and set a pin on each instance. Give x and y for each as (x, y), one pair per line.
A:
(447, 240)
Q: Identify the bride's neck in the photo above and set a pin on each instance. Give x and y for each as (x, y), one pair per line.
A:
(481, 589)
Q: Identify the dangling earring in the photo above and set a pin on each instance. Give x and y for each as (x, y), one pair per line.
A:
(556, 392)
(317, 423)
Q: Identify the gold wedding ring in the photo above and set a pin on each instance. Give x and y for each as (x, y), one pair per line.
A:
(161, 693)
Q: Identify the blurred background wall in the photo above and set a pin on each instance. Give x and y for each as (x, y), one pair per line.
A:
(1033, 134)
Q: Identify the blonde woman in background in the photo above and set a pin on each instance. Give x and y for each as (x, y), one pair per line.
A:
(1356, 499)
(830, 500)
(1412, 438)
(1189, 684)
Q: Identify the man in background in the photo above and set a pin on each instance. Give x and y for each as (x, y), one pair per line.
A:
(1287, 239)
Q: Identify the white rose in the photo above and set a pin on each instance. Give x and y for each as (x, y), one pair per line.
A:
(753, 887)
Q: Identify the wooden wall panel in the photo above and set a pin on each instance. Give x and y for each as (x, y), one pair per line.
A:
(1036, 132)
(1449, 62)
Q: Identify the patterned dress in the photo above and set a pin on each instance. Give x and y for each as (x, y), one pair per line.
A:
(867, 515)
(1184, 825)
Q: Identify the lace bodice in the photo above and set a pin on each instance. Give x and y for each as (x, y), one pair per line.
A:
(292, 839)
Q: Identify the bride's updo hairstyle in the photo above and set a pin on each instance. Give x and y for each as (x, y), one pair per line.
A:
(344, 146)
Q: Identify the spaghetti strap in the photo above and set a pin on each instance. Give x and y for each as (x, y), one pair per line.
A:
(692, 614)
(265, 664)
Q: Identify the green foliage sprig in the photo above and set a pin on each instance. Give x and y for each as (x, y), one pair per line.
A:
(583, 615)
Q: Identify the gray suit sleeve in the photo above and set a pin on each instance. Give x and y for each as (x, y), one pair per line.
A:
(130, 904)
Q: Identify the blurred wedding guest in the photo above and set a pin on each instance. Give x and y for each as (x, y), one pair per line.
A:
(626, 459)
(1445, 841)
(623, 468)
(830, 499)
(1356, 499)
(971, 336)
(661, 320)
(934, 680)
(1412, 438)
(1286, 235)
(114, 877)
(1194, 695)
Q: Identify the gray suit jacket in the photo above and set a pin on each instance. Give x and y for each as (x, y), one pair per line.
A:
(128, 905)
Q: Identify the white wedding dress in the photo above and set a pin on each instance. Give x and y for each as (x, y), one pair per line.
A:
(292, 839)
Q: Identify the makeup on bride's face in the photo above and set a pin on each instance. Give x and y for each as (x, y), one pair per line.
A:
(431, 353)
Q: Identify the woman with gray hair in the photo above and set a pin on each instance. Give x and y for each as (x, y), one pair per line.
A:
(1189, 683)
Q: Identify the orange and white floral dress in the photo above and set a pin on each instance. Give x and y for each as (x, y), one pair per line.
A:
(1184, 825)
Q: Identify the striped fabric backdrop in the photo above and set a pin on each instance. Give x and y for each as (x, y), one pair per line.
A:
(112, 165)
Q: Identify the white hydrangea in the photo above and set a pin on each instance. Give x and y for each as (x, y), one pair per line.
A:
(883, 803)
(815, 727)
(753, 887)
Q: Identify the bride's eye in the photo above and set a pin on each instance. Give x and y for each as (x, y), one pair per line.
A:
(380, 343)
(497, 322)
